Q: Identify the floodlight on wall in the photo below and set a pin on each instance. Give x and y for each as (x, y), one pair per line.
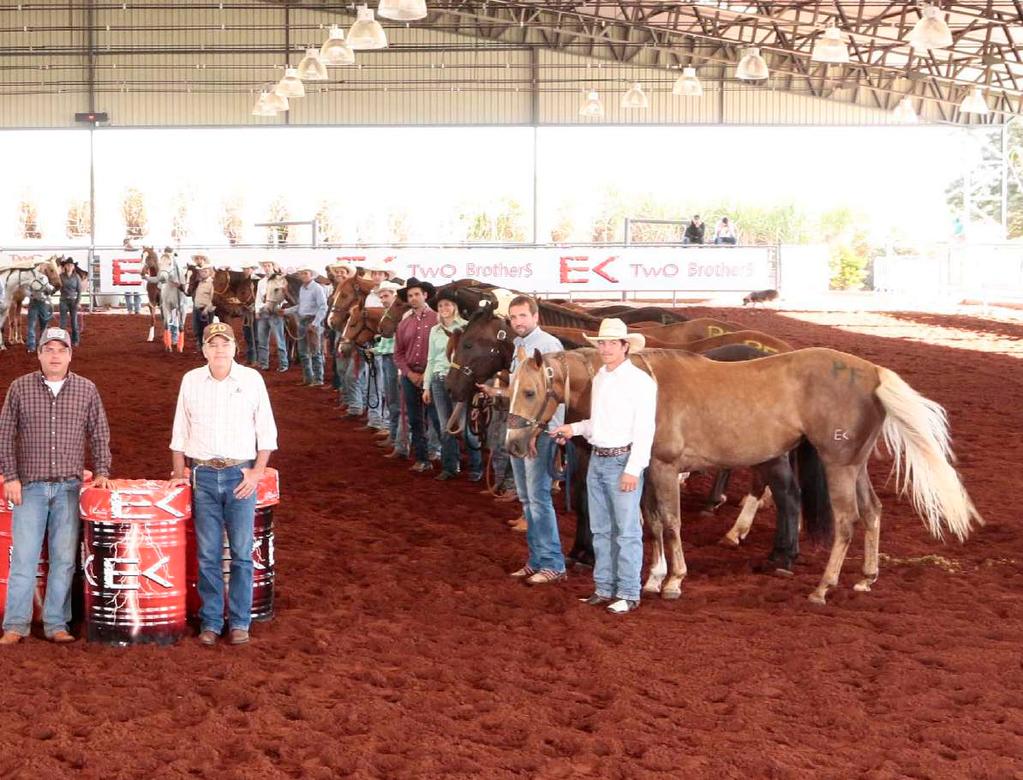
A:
(974, 103)
(752, 67)
(290, 85)
(276, 102)
(831, 47)
(263, 107)
(931, 31)
(592, 107)
(635, 98)
(687, 85)
(335, 51)
(402, 10)
(311, 68)
(905, 113)
(366, 33)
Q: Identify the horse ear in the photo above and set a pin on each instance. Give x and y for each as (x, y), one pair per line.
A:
(537, 358)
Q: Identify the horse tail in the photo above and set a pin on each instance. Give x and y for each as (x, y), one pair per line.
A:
(915, 431)
(814, 497)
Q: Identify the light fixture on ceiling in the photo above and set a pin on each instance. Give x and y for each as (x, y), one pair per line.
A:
(931, 31)
(752, 67)
(974, 103)
(831, 47)
(335, 51)
(402, 10)
(263, 107)
(366, 33)
(290, 85)
(635, 98)
(592, 107)
(905, 113)
(311, 68)
(687, 85)
(276, 102)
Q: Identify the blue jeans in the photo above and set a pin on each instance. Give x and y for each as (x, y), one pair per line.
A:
(199, 322)
(265, 327)
(310, 351)
(133, 302)
(354, 383)
(69, 314)
(39, 313)
(449, 450)
(215, 509)
(376, 402)
(389, 382)
(415, 409)
(533, 485)
(339, 363)
(48, 510)
(617, 529)
(500, 460)
(249, 336)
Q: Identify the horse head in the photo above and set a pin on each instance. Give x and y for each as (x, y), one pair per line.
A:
(351, 291)
(478, 352)
(361, 328)
(392, 318)
(536, 390)
(50, 269)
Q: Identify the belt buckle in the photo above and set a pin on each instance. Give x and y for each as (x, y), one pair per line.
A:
(218, 463)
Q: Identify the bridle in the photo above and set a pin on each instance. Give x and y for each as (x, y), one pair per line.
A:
(542, 419)
(501, 337)
(364, 327)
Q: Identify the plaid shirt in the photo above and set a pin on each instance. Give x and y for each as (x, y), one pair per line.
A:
(42, 436)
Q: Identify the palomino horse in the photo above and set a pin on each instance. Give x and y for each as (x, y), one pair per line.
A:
(151, 274)
(739, 414)
(172, 304)
(16, 281)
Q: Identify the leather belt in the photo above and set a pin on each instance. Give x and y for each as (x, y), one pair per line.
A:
(611, 452)
(218, 463)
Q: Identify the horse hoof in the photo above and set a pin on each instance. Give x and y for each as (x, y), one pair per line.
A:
(728, 541)
(817, 598)
(863, 586)
(651, 590)
(581, 566)
(671, 595)
(782, 572)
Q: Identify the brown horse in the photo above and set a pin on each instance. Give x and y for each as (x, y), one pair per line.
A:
(726, 415)
(762, 342)
(701, 328)
(347, 294)
(362, 327)
(151, 273)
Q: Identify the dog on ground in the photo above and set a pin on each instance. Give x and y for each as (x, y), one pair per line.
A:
(760, 296)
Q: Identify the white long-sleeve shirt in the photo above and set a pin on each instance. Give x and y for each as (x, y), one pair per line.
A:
(227, 418)
(623, 411)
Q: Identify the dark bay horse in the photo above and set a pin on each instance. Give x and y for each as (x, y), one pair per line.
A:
(724, 415)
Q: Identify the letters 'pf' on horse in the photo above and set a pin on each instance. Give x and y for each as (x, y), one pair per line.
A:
(739, 414)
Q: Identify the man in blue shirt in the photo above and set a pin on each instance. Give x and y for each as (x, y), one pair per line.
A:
(310, 313)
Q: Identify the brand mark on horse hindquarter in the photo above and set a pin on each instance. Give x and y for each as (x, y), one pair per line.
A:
(838, 367)
(841, 434)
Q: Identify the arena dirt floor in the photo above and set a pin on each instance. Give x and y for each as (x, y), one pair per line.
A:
(402, 649)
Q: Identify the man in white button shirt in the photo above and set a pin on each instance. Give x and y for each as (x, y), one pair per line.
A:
(623, 413)
(225, 426)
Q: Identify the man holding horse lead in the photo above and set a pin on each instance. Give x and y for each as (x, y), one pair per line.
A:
(70, 296)
(546, 562)
(202, 313)
(249, 321)
(269, 320)
(621, 429)
(411, 351)
(39, 310)
(310, 312)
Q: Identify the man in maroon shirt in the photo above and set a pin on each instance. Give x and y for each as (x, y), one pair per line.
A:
(45, 420)
(412, 342)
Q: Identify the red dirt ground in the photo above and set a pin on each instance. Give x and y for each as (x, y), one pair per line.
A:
(401, 648)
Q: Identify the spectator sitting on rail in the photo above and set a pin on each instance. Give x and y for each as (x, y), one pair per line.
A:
(695, 231)
(725, 232)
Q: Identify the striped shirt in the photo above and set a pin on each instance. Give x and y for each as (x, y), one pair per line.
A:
(227, 418)
(42, 435)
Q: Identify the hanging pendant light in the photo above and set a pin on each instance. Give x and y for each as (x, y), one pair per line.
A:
(366, 33)
(311, 68)
(974, 103)
(402, 10)
(592, 107)
(905, 113)
(635, 98)
(334, 50)
(290, 85)
(831, 47)
(752, 67)
(276, 102)
(687, 85)
(931, 31)
(263, 107)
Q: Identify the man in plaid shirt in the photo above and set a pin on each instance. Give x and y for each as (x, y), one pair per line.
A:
(45, 420)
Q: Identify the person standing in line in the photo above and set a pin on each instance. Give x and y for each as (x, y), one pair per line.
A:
(40, 312)
(202, 313)
(70, 296)
(623, 413)
(249, 328)
(310, 314)
(268, 319)
(411, 351)
(224, 425)
(46, 418)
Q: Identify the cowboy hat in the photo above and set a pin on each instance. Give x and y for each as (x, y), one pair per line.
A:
(388, 285)
(428, 289)
(308, 267)
(447, 294)
(613, 329)
(342, 264)
(376, 265)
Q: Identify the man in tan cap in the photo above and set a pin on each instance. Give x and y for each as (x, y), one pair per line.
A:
(224, 425)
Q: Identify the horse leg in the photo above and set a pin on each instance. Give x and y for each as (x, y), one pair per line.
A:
(717, 493)
(658, 563)
(751, 504)
(870, 514)
(842, 487)
(784, 487)
(663, 479)
(152, 322)
(581, 553)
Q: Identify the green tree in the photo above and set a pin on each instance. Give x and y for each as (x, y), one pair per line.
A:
(986, 179)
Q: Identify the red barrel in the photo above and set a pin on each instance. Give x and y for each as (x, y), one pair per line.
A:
(268, 494)
(134, 561)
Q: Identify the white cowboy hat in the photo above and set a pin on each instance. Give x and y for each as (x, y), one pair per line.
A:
(251, 264)
(376, 265)
(388, 285)
(309, 267)
(613, 329)
(342, 264)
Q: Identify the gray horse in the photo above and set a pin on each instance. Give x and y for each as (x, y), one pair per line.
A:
(171, 281)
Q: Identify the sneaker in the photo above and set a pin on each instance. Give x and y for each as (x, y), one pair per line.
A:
(475, 476)
(596, 600)
(523, 573)
(546, 577)
(421, 466)
(621, 606)
(281, 369)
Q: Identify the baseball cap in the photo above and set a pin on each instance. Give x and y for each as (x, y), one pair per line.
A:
(55, 334)
(218, 329)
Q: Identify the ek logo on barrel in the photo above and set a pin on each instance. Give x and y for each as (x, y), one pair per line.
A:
(127, 271)
(566, 269)
(120, 507)
(131, 570)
